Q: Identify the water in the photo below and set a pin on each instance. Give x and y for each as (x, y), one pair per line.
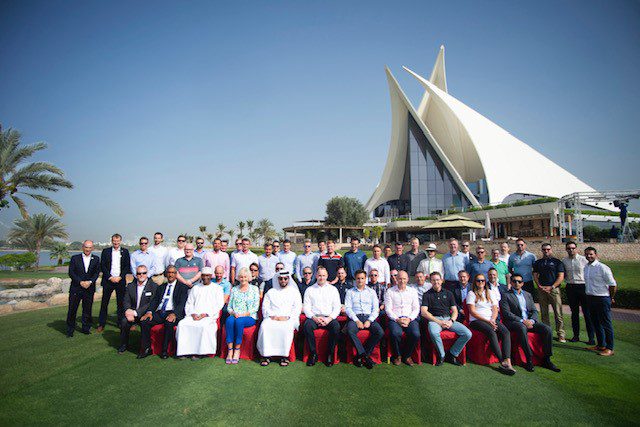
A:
(44, 256)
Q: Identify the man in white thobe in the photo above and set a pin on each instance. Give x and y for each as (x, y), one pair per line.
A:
(196, 334)
(281, 310)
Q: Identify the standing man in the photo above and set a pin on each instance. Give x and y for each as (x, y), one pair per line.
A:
(322, 247)
(304, 260)
(199, 251)
(115, 264)
(143, 256)
(224, 245)
(267, 266)
(519, 315)
(175, 254)
(504, 252)
(276, 247)
(217, 257)
(402, 309)
(322, 307)
(287, 256)
(574, 265)
(160, 252)
(342, 286)
(521, 262)
(380, 265)
(452, 262)
(387, 252)
(362, 308)
(502, 269)
(84, 270)
(601, 291)
(379, 288)
(430, 264)
(479, 265)
(331, 261)
(465, 251)
(398, 261)
(354, 260)
(242, 259)
(414, 257)
(189, 267)
(439, 308)
(548, 273)
(137, 310)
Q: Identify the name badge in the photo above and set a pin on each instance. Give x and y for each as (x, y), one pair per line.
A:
(147, 294)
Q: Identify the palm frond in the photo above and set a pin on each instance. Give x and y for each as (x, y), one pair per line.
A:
(55, 207)
(22, 207)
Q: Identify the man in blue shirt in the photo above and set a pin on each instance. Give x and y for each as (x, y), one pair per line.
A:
(306, 259)
(354, 260)
(452, 262)
(362, 308)
(144, 257)
(479, 265)
(521, 262)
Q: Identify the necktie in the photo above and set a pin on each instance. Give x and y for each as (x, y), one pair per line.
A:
(165, 301)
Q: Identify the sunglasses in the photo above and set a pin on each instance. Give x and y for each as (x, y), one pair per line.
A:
(465, 246)
(308, 272)
(518, 281)
(181, 240)
(480, 280)
(141, 273)
(144, 243)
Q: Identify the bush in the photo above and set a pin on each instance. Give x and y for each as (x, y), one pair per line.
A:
(594, 233)
(19, 261)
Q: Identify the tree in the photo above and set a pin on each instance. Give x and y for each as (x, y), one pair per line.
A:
(39, 228)
(240, 226)
(250, 225)
(59, 251)
(377, 232)
(17, 177)
(345, 211)
(19, 261)
(265, 230)
(366, 233)
(220, 230)
(203, 229)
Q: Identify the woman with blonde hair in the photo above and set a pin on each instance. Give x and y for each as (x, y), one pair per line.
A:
(483, 312)
(243, 312)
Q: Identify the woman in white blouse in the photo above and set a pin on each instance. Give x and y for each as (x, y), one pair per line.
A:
(483, 312)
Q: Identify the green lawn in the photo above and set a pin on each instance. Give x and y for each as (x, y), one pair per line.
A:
(30, 274)
(49, 379)
(627, 273)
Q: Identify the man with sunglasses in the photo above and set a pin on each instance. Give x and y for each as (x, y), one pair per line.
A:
(267, 265)
(137, 309)
(199, 251)
(175, 254)
(466, 253)
(521, 262)
(548, 273)
(479, 265)
(574, 265)
(307, 281)
(304, 260)
(600, 287)
(144, 256)
(519, 315)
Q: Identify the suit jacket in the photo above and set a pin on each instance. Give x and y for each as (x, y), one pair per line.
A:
(125, 263)
(510, 307)
(178, 296)
(131, 297)
(457, 296)
(77, 273)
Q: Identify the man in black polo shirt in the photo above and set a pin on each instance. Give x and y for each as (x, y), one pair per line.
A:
(398, 261)
(439, 308)
(548, 273)
(331, 260)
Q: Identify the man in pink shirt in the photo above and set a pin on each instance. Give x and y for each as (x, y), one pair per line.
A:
(217, 257)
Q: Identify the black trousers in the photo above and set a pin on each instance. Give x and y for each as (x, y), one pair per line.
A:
(412, 332)
(160, 318)
(77, 295)
(334, 331)
(529, 287)
(600, 313)
(376, 335)
(539, 328)
(502, 333)
(145, 332)
(107, 289)
(578, 298)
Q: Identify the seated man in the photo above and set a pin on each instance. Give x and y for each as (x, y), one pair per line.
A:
(322, 307)
(342, 286)
(402, 308)
(520, 316)
(167, 308)
(439, 308)
(460, 291)
(196, 333)
(307, 281)
(421, 286)
(363, 307)
(137, 303)
(281, 310)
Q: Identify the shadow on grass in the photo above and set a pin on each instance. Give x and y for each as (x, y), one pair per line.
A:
(59, 325)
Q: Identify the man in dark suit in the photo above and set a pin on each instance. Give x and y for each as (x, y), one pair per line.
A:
(460, 291)
(113, 277)
(519, 315)
(138, 297)
(84, 270)
(167, 308)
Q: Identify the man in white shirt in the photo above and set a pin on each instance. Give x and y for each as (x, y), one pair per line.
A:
(217, 257)
(504, 252)
(241, 259)
(601, 291)
(431, 263)
(402, 308)
(421, 286)
(287, 256)
(380, 264)
(267, 266)
(574, 265)
(175, 254)
(160, 252)
(138, 298)
(322, 307)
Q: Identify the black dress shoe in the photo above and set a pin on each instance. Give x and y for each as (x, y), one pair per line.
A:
(143, 354)
(122, 349)
(367, 362)
(550, 366)
(312, 360)
(439, 361)
(164, 355)
(69, 334)
(574, 339)
(357, 362)
(86, 331)
(529, 367)
(329, 362)
(592, 342)
(450, 358)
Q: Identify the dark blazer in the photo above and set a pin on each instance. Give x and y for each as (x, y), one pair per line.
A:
(131, 297)
(457, 296)
(510, 307)
(105, 263)
(179, 297)
(77, 273)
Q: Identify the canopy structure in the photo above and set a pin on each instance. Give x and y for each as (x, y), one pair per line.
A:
(452, 222)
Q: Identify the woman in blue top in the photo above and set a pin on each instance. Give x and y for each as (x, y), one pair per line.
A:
(243, 312)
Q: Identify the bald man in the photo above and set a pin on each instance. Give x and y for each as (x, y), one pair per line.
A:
(189, 267)
(84, 269)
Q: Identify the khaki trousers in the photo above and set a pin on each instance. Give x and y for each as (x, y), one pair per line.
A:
(553, 298)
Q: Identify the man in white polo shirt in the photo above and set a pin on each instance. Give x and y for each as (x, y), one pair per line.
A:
(601, 288)
(243, 258)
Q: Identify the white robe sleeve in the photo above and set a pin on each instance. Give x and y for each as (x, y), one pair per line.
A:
(190, 306)
(266, 305)
(219, 302)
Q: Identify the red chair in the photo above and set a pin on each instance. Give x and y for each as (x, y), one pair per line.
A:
(363, 336)
(157, 338)
(247, 348)
(478, 346)
(517, 352)
(416, 355)
(448, 339)
(322, 342)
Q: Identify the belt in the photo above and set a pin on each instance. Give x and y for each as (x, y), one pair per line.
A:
(575, 284)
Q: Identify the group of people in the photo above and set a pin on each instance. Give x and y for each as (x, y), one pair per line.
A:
(280, 292)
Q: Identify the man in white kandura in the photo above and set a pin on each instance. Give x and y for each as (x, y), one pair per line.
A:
(281, 310)
(196, 334)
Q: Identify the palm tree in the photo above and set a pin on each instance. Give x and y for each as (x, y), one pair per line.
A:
(240, 226)
(203, 229)
(250, 226)
(17, 177)
(265, 230)
(59, 251)
(39, 228)
(221, 229)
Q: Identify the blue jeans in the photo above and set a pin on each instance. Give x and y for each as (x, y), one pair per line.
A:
(235, 328)
(600, 313)
(464, 335)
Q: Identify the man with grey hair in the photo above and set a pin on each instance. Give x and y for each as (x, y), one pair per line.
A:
(304, 260)
(84, 269)
(189, 267)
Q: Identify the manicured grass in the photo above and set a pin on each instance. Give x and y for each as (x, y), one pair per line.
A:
(49, 379)
(30, 274)
(627, 273)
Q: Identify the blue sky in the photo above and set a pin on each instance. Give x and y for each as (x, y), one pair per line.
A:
(169, 115)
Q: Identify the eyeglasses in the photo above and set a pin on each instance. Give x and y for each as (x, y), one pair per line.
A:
(141, 273)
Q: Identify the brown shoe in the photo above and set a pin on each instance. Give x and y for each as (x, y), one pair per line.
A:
(396, 361)
(595, 348)
(100, 329)
(408, 361)
(606, 352)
